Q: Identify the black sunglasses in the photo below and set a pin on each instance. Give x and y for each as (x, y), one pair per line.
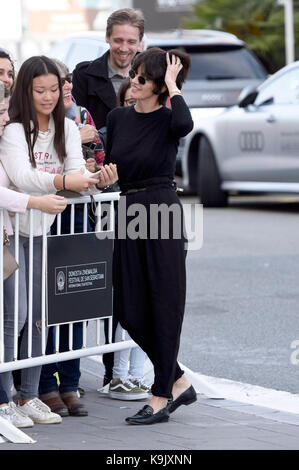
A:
(68, 78)
(140, 78)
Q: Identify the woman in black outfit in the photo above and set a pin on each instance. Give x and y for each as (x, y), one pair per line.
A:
(149, 270)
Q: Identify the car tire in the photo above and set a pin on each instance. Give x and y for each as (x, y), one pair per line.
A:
(209, 182)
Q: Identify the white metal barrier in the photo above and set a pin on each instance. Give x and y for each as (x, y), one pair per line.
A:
(98, 345)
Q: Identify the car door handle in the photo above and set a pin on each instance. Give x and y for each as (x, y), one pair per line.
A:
(271, 118)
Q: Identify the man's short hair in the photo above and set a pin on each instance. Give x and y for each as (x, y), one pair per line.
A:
(126, 16)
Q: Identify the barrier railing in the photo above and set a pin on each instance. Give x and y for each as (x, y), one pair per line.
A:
(92, 345)
(93, 338)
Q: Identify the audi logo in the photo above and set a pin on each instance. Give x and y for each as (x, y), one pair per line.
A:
(252, 141)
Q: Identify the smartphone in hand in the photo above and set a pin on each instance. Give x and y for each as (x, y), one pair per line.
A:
(96, 174)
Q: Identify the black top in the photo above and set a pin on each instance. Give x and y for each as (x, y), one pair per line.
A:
(144, 145)
(93, 89)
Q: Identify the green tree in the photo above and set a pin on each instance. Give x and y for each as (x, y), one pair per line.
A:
(260, 23)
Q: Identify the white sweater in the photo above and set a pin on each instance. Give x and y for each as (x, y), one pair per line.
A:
(10, 200)
(40, 180)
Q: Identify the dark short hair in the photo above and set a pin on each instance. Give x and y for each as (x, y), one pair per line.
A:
(22, 109)
(153, 65)
(126, 16)
(125, 85)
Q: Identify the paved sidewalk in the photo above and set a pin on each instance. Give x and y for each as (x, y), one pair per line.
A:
(207, 425)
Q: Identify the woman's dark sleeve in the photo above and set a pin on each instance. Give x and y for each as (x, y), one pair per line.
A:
(79, 91)
(181, 120)
(109, 137)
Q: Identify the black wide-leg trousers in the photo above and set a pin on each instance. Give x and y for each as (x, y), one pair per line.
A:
(149, 278)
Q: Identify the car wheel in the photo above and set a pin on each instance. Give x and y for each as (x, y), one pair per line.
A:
(209, 182)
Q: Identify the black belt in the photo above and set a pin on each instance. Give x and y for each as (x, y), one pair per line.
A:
(132, 191)
(152, 185)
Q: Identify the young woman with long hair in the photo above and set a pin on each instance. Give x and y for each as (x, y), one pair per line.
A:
(15, 201)
(62, 398)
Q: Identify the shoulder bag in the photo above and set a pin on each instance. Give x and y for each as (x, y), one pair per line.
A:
(9, 263)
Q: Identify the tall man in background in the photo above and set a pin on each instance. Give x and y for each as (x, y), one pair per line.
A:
(96, 83)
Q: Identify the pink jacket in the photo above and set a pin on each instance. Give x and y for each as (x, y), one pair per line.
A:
(10, 200)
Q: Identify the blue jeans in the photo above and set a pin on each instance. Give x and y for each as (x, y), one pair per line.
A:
(3, 395)
(69, 371)
(29, 376)
(66, 219)
(128, 362)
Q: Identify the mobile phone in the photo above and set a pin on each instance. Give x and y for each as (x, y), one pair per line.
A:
(97, 173)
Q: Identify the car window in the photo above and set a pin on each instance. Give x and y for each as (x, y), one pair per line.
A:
(283, 90)
(81, 51)
(60, 50)
(224, 64)
(220, 63)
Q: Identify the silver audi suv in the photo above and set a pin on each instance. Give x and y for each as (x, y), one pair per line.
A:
(253, 146)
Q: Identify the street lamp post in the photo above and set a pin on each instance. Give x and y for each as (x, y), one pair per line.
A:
(289, 29)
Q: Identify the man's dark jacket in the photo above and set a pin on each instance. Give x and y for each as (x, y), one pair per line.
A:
(93, 89)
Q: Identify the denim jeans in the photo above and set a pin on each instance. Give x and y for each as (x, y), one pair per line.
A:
(68, 371)
(66, 219)
(128, 361)
(3, 396)
(29, 376)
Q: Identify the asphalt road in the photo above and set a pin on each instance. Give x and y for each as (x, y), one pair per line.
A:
(242, 310)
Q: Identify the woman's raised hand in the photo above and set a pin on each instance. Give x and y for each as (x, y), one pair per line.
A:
(50, 203)
(174, 66)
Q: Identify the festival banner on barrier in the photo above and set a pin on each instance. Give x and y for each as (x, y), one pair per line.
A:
(79, 277)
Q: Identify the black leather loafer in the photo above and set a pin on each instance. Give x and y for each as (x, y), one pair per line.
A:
(147, 416)
(185, 398)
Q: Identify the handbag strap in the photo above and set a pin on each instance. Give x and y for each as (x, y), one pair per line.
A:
(5, 237)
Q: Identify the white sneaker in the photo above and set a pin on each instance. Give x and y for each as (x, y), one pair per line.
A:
(11, 413)
(39, 412)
